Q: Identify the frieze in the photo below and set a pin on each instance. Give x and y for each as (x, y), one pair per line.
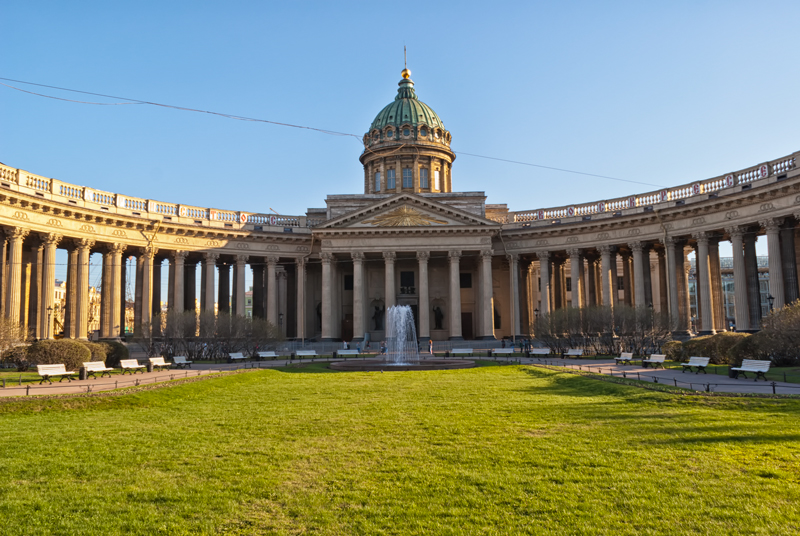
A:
(483, 241)
(327, 243)
(634, 232)
(797, 200)
(120, 233)
(212, 243)
(731, 214)
(272, 247)
(603, 236)
(542, 242)
(54, 222)
(698, 221)
(20, 215)
(573, 240)
(303, 249)
(513, 245)
(86, 228)
(181, 240)
(242, 245)
(766, 207)
(669, 226)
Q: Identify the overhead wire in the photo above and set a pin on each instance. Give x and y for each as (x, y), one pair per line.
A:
(278, 123)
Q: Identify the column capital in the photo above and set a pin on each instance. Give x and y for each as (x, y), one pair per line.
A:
(50, 239)
(148, 251)
(423, 256)
(357, 256)
(669, 241)
(771, 225)
(487, 253)
(701, 237)
(272, 260)
(16, 232)
(512, 257)
(210, 258)
(389, 256)
(636, 247)
(327, 257)
(300, 262)
(117, 247)
(83, 243)
(454, 255)
(574, 252)
(179, 255)
(605, 249)
(735, 231)
(544, 256)
(241, 260)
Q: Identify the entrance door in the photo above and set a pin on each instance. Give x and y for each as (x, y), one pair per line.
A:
(347, 328)
(466, 326)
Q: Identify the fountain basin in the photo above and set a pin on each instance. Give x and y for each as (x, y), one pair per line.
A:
(423, 364)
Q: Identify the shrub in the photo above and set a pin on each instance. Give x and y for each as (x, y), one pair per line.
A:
(723, 343)
(18, 357)
(673, 350)
(50, 352)
(99, 350)
(752, 347)
(698, 346)
(116, 352)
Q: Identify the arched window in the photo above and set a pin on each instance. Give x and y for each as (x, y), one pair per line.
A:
(390, 185)
(377, 181)
(408, 179)
(423, 178)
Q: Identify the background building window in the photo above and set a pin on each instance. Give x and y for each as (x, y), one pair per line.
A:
(378, 181)
(390, 179)
(408, 180)
(423, 178)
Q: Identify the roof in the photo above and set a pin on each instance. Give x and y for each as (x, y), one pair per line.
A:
(406, 109)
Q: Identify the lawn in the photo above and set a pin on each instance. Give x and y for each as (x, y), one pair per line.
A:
(491, 450)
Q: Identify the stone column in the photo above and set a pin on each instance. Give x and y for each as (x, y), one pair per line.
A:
(117, 316)
(148, 253)
(772, 226)
(424, 298)
(647, 277)
(106, 298)
(704, 285)
(674, 254)
(156, 300)
(789, 265)
(358, 296)
(83, 247)
(388, 281)
(137, 299)
(239, 287)
(272, 291)
(663, 288)
(177, 267)
(513, 276)
(258, 289)
(544, 276)
(122, 295)
(627, 294)
(638, 273)
(609, 286)
(209, 263)
(488, 294)
(46, 309)
(753, 288)
(717, 298)
(455, 295)
(3, 271)
(591, 283)
(300, 265)
(281, 284)
(32, 279)
(740, 301)
(71, 306)
(576, 274)
(224, 290)
(190, 286)
(327, 296)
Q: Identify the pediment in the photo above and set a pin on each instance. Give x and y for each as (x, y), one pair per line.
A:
(407, 211)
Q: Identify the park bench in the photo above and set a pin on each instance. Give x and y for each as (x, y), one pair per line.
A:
(48, 371)
(624, 357)
(464, 351)
(501, 351)
(93, 367)
(756, 366)
(345, 353)
(300, 354)
(573, 352)
(699, 362)
(131, 365)
(237, 356)
(180, 361)
(270, 355)
(158, 363)
(539, 351)
(657, 360)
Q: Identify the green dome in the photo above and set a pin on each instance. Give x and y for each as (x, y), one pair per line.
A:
(406, 109)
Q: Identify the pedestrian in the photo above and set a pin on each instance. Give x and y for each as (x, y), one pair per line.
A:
(503, 343)
(430, 346)
(358, 348)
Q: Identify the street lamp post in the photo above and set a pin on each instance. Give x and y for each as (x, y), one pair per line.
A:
(771, 300)
(48, 334)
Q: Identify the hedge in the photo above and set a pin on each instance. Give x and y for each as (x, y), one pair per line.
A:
(52, 352)
(116, 352)
(99, 350)
(17, 356)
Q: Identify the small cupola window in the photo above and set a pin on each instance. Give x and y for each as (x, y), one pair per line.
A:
(389, 134)
(406, 132)
(423, 132)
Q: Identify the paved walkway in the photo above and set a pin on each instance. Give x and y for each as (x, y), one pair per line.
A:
(697, 382)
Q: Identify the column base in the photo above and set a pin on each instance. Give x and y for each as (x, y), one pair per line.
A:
(327, 339)
(356, 339)
(459, 338)
(487, 338)
(703, 333)
(682, 335)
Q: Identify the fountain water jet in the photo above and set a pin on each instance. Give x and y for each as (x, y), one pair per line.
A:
(401, 336)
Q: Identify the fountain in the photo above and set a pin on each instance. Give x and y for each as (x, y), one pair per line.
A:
(402, 350)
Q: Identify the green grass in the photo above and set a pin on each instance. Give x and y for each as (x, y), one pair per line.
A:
(490, 450)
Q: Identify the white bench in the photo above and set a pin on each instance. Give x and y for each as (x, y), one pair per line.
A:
(539, 351)
(657, 360)
(48, 371)
(300, 354)
(93, 367)
(624, 357)
(573, 352)
(502, 351)
(270, 355)
(346, 353)
(236, 356)
(131, 365)
(699, 362)
(159, 363)
(180, 361)
(465, 351)
(756, 366)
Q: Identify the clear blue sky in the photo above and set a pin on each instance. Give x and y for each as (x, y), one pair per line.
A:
(663, 94)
